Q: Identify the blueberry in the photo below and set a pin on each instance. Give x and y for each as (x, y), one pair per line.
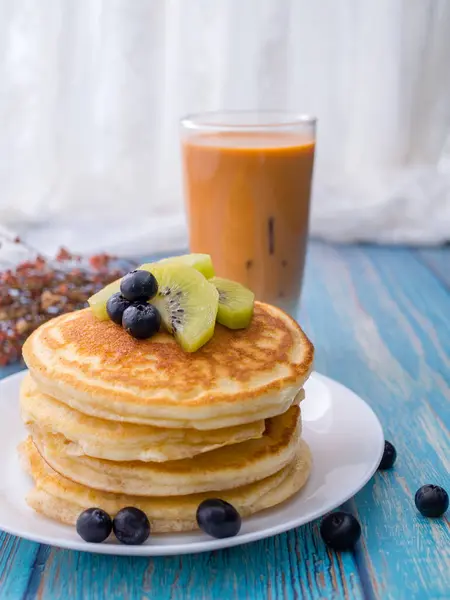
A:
(138, 285)
(340, 530)
(131, 526)
(141, 320)
(94, 525)
(431, 500)
(116, 306)
(389, 456)
(218, 518)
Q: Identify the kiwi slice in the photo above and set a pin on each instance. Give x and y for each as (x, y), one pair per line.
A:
(98, 301)
(235, 303)
(199, 262)
(188, 304)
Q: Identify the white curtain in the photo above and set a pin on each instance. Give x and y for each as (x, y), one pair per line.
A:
(91, 92)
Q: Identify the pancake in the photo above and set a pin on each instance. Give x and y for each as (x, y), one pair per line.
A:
(221, 469)
(238, 377)
(112, 440)
(63, 500)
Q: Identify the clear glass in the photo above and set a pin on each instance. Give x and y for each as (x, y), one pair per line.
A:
(247, 185)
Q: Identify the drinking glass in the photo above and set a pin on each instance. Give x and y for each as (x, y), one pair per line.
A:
(247, 178)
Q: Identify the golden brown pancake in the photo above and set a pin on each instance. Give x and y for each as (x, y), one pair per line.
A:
(238, 377)
(114, 440)
(63, 500)
(221, 469)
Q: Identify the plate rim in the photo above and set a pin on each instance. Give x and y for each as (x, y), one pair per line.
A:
(208, 545)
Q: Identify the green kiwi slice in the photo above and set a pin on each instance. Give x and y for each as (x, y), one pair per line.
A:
(188, 304)
(199, 262)
(98, 301)
(235, 303)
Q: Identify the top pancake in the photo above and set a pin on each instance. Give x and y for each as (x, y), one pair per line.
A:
(238, 377)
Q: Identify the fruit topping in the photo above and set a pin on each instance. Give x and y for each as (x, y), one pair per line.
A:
(431, 500)
(141, 320)
(115, 307)
(235, 303)
(98, 301)
(389, 456)
(187, 301)
(188, 304)
(218, 518)
(199, 262)
(340, 530)
(94, 525)
(131, 526)
(138, 285)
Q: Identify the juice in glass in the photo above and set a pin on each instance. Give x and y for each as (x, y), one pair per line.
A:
(247, 184)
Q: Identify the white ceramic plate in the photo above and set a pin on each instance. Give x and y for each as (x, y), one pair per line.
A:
(344, 435)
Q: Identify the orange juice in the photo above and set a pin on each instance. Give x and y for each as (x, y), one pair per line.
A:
(248, 206)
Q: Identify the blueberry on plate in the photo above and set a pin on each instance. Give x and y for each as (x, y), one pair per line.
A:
(116, 306)
(138, 285)
(94, 525)
(389, 456)
(131, 526)
(141, 320)
(218, 518)
(431, 500)
(340, 530)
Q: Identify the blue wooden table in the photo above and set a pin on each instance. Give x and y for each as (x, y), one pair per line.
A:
(380, 321)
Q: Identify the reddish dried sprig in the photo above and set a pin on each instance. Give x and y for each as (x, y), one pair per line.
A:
(38, 290)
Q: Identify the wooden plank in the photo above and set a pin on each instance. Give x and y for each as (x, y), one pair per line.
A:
(437, 260)
(11, 369)
(286, 567)
(18, 562)
(380, 323)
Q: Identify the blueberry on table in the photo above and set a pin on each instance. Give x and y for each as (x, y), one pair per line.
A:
(141, 320)
(131, 526)
(431, 500)
(389, 456)
(94, 525)
(138, 285)
(116, 306)
(340, 530)
(218, 518)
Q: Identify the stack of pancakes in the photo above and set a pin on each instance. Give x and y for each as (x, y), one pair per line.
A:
(118, 422)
